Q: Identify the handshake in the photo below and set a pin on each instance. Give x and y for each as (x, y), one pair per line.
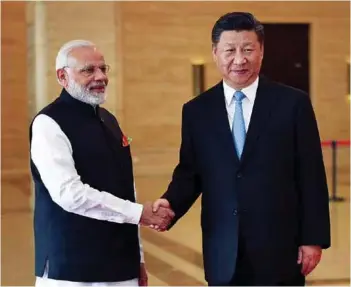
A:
(157, 215)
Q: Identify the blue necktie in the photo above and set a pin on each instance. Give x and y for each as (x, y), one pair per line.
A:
(238, 129)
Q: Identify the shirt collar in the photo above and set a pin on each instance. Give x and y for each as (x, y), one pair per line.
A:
(249, 91)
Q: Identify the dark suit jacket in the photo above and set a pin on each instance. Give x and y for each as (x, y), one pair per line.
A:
(276, 196)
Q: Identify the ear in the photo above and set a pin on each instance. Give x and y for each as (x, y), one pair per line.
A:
(262, 51)
(62, 77)
(214, 52)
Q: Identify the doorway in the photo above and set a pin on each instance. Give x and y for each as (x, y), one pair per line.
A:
(286, 54)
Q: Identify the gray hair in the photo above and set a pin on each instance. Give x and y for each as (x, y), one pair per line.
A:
(63, 55)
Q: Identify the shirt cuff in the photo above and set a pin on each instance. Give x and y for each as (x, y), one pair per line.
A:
(134, 212)
(142, 258)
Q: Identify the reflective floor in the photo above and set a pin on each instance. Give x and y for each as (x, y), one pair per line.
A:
(173, 258)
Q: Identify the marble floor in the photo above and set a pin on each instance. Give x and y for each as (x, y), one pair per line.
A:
(173, 257)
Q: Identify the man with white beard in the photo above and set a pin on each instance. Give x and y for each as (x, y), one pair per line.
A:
(86, 219)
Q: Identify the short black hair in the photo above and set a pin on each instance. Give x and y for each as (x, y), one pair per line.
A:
(237, 21)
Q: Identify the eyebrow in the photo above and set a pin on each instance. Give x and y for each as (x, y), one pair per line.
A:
(93, 64)
(245, 43)
(230, 45)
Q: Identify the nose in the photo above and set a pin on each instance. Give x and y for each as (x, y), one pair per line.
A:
(99, 75)
(239, 59)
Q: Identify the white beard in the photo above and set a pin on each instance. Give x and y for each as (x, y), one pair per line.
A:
(83, 94)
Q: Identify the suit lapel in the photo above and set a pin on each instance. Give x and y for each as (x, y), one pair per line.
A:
(219, 120)
(264, 103)
(262, 109)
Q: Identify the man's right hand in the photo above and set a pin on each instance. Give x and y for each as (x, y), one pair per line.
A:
(156, 206)
(161, 218)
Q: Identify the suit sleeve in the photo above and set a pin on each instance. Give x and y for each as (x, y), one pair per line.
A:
(184, 188)
(311, 179)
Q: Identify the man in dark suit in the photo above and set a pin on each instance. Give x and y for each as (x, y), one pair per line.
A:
(251, 148)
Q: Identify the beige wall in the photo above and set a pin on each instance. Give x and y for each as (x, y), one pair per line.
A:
(15, 182)
(14, 103)
(14, 100)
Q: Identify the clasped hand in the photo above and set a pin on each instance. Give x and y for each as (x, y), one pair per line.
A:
(157, 215)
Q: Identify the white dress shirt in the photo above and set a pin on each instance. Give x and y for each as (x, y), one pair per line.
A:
(51, 153)
(247, 103)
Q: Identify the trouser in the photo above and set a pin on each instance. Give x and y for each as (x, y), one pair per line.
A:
(245, 275)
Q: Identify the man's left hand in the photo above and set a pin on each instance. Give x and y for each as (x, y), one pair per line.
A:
(143, 275)
(309, 256)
